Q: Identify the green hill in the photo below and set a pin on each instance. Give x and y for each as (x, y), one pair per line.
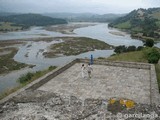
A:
(141, 23)
(27, 20)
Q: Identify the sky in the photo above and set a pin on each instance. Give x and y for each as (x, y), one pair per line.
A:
(75, 6)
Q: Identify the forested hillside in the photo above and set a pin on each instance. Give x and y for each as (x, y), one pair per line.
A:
(27, 20)
(141, 23)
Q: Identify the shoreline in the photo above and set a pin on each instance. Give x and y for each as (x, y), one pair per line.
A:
(134, 36)
(116, 33)
(68, 28)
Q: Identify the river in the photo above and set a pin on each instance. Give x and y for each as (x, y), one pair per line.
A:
(34, 51)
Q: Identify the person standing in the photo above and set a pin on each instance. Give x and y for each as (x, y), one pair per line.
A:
(89, 69)
(82, 70)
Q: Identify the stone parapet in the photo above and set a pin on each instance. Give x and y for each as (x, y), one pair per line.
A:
(119, 64)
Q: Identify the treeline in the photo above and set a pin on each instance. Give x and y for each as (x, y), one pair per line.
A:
(27, 20)
(123, 48)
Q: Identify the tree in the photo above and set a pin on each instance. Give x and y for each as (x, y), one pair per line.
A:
(139, 48)
(149, 43)
(120, 49)
(153, 56)
(131, 48)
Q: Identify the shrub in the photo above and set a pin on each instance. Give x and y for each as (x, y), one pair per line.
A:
(131, 48)
(33, 76)
(153, 56)
(25, 78)
(149, 43)
(51, 67)
(120, 49)
(139, 48)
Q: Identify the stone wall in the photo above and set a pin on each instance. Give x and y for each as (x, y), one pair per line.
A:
(155, 96)
(119, 64)
(51, 75)
(37, 83)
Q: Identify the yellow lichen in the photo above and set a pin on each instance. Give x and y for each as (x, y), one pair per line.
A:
(122, 102)
(112, 101)
(130, 104)
(125, 102)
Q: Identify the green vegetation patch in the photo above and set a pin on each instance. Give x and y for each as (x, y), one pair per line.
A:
(27, 20)
(7, 63)
(7, 43)
(156, 15)
(158, 23)
(147, 54)
(29, 77)
(137, 56)
(6, 26)
(75, 46)
(124, 25)
(137, 29)
(26, 79)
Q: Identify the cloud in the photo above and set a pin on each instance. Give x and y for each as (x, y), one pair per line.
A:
(96, 6)
(152, 3)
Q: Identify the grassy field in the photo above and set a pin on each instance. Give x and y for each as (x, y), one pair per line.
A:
(75, 46)
(137, 29)
(26, 79)
(6, 26)
(137, 56)
(125, 25)
(156, 15)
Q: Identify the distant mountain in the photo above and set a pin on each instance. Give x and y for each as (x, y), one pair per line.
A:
(142, 23)
(7, 14)
(32, 20)
(85, 17)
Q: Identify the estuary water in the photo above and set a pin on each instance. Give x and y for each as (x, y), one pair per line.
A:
(34, 50)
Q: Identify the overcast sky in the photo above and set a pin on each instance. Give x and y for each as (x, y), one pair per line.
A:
(75, 6)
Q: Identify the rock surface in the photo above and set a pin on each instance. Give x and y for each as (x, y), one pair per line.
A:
(40, 105)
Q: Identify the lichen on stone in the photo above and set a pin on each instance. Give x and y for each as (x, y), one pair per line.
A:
(117, 105)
